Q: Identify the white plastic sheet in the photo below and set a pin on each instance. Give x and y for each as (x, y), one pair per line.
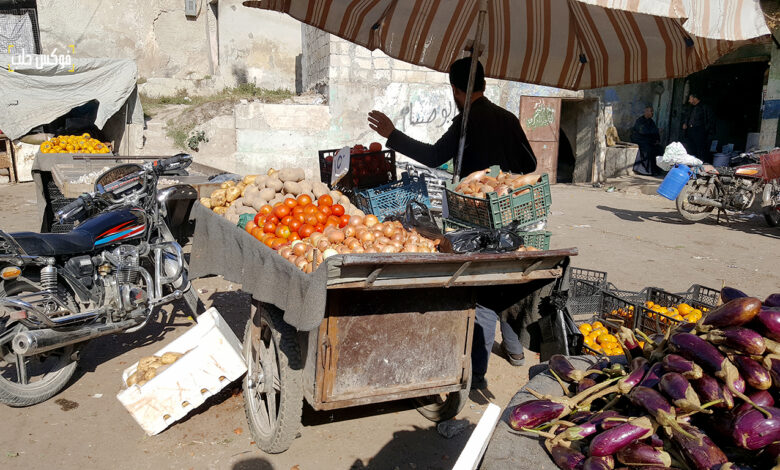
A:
(40, 89)
(675, 153)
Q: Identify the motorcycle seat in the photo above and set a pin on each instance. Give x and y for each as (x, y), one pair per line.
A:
(55, 244)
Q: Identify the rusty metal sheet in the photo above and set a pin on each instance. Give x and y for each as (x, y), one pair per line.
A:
(380, 346)
(546, 158)
(540, 118)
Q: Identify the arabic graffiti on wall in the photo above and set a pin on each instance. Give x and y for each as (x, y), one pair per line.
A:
(543, 116)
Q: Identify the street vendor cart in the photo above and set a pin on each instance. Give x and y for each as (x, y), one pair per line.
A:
(360, 329)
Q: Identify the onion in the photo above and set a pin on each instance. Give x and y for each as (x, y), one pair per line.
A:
(336, 236)
(388, 249)
(398, 236)
(371, 250)
(358, 249)
(342, 249)
(377, 233)
(371, 220)
(410, 248)
(320, 259)
(379, 226)
(300, 262)
(396, 244)
(383, 240)
(379, 247)
(328, 253)
(309, 255)
(299, 248)
(355, 220)
(349, 231)
(389, 230)
(353, 243)
(323, 244)
(285, 251)
(307, 268)
(366, 236)
(315, 237)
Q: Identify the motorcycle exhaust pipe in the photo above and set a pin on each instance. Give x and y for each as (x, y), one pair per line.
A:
(705, 201)
(32, 342)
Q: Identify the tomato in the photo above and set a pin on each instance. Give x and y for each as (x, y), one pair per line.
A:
(297, 210)
(269, 241)
(295, 225)
(304, 200)
(282, 231)
(311, 220)
(269, 227)
(267, 236)
(321, 217)
(375, 147)
(259, 219)
(278, 242)
(326, 210)
(287, 220)
(320, 228)
(300, 218)
(265, 209)
(333, 220)
(325, 200)
(290, 202)
(305, 230)
(273, 219)
(249, 226)
(294, 236)
(257, 232)
(281, 211)
(310, 209)
(338, 210)
(343, 221)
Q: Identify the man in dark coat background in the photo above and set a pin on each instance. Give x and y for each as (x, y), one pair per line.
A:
(645, 134)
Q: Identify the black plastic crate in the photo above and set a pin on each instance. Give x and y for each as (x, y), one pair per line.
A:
(704, 295)
(366, 170)
(651, 322)
(585, 291)
(591, 276)
(613, 312)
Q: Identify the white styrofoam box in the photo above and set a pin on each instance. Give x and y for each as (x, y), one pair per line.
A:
(212, 359)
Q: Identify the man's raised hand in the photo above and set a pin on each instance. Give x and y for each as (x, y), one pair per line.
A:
(380, 123)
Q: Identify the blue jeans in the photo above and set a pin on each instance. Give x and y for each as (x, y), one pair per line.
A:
(485, 335)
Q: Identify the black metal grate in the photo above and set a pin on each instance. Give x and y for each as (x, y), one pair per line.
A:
(19, 28)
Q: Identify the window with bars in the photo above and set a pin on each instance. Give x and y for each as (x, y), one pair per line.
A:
(19, 28)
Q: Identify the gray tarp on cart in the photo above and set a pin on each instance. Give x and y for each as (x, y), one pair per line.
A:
(38, 93)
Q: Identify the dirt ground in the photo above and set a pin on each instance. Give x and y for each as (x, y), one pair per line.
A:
(638, 239)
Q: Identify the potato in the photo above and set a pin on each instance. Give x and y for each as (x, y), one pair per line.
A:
(221, 210)
(335, 195)
(343, 200)
(218, 198)
(227, 184)
(245, 210)
(271, 171)
(260, 181)
(249, 179)
(141, 383)
(267, 194)
(231, 212)
(232, 193)
(206, 202)
(133, 379)
(277, 198)
(144, 362)
(291, 187)
(292, 174)
(149, 375)
(306, 187)
(170, 357)
(250, 191)
(320, 189)
(275, 184)
(232, 217)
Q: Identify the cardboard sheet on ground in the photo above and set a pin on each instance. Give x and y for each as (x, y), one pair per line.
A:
(37, 93)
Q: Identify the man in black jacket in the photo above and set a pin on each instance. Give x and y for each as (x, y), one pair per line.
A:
(493, 137)
(699, 128)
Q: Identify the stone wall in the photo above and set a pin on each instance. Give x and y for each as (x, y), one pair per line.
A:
(316, 59)
(770, 130)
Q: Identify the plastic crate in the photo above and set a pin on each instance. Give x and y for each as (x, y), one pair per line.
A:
(435, 183)
(704, 295)
(391, 199)
(590, 276)
(525, 204)
(613, 312)
(651, 322)
(366, 170)
(538, 239)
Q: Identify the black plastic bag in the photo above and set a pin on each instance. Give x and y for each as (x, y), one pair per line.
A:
(484, 240)
(418, 217)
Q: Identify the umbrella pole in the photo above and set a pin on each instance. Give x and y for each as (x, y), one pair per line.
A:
(475, 51)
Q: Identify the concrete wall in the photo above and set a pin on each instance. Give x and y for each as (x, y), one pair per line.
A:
(770, 130)
(316, 59)
(224, 45)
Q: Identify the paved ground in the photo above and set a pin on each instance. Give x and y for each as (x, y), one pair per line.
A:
(638, 239)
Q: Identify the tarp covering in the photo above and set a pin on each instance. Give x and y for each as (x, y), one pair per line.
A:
(42, 88)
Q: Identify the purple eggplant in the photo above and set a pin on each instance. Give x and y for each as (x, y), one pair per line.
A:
(599, 419)
(564, 369)
(637, 362)
(762, 398)
(601, 364)
(753, 373)
(585, 384)
(535, 412)
(599, 463)
(772, 364)
(743, 340)
(656, 405)
(698, 449)
(630, 343)
(611, 441)
(653, 376)
(752, 430)
(734, 313)
(677, 387)
(639, 454)
(655, 441)
(727, 294)
(579, 417)
(709, 390)
(567, 458)
(769, 321)
(677, 363)
(773, 300)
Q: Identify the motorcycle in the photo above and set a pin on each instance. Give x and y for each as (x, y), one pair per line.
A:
(106, 276)
(734, 189)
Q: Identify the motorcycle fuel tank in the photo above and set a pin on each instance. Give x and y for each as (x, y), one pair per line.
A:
(116, 226)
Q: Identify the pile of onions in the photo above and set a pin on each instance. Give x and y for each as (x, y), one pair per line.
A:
(361, 235)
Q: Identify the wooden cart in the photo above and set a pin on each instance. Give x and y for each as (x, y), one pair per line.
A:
(395, 326)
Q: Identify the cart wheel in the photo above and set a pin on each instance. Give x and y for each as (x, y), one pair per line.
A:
(446, 406)
(273, 387)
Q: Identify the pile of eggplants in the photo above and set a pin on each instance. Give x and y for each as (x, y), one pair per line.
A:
(699, 397)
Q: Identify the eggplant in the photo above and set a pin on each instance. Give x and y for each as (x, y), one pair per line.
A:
(677, 387)
(709, 390)
(535, 412)
(769, 321)
(601, 364)
(564, 369)
(624, 385)
(743, 340)
(698, 449)
(600, 419)
(612, 440)
(727, 294)
(772, 364)
(576, 433)
(773, 300)
(630, 343)
(585, 384)
(677, 363)
(637, 363)
(761, 398)
(653, 376)
(599, 463)
(567, 458)
(579, 417)
(656, 405)
(752, 430)
(639, 454)
(655, 441)
(734, 313)
(753, 373)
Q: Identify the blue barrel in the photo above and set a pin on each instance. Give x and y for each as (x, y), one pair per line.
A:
(674, 182)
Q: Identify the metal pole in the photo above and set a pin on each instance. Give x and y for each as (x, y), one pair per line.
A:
(475, 51)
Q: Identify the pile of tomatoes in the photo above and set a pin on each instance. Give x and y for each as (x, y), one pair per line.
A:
(295, 219)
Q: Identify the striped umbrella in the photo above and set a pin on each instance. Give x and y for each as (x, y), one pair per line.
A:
(572, 44)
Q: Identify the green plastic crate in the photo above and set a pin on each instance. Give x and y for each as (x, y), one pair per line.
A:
(539, 239)
(525, 204)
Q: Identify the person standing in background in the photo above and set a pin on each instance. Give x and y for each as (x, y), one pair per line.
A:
(645, 134)
(698, 128)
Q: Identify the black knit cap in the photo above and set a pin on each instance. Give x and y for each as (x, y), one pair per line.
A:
(459, 75)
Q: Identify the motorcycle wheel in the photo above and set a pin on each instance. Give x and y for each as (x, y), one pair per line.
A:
(772, 215)
(30, 380)
(689, 211)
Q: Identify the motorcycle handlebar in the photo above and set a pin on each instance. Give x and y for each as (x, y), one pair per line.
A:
(74, 210)
(177, 162)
